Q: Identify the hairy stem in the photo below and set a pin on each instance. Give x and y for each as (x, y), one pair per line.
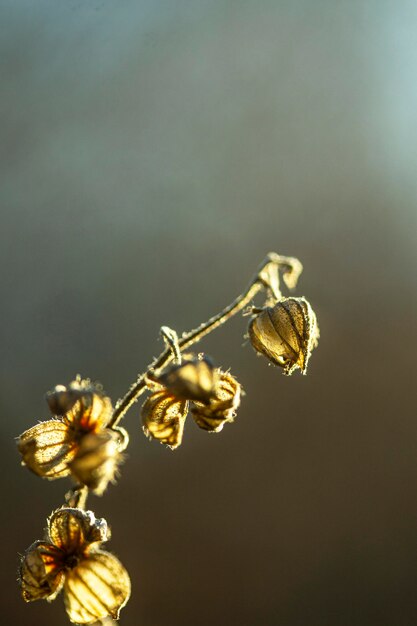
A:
(77, 497)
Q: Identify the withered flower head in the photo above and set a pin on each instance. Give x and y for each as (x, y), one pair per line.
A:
(95, 583)
(193, 379)
(76, 442)
(164, 413)
(286, 333)
(222, 407)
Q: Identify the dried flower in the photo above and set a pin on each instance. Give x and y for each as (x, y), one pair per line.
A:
(164, 413)
(95, 583)
(222, 407)
(193, 379)
(163, 417)
(286, 333)
(77, 442)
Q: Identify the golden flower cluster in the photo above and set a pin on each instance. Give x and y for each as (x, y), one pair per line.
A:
(211, 395)
(83, 440)
(70, 558)
(76, 442)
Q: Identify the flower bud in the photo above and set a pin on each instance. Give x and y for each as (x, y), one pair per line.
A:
(222, 407)
(193, 379)
(95, 584)
(286, 333)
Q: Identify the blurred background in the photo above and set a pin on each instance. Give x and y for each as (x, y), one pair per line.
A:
(152, 153)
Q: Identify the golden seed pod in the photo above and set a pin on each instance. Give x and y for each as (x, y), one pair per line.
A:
(95, 583)
(74, 530)
(49, 448)
(286, 333)
(81, 404)
(163, 417)
(193, 379)
(222, 407)
(97, 460)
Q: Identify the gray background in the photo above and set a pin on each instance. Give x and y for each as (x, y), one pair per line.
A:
(152, 152)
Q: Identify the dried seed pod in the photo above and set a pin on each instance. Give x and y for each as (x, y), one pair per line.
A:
(95, 583)
(49, 448)
(72, 530)
(286, 333)
(163, 417)
(82, 403)
(193, 379)
(222, 407)
(97, 460)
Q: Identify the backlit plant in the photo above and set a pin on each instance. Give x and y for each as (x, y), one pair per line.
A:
(84, 440)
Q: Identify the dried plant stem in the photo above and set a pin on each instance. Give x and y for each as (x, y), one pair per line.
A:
(171, 339)
(267, 277)
(77, 497)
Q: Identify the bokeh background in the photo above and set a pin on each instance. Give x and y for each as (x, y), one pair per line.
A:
(152, 153)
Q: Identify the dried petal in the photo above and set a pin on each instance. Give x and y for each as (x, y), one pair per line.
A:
(286, 333)
(97, 587)
(47, 448)
(193, 379)
(222, 408)
(41, 572)
(97, 460)
(73, 530)
(163, 417)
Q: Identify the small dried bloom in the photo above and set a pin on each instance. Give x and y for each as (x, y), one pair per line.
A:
(163, 417)
(75, 442)
(222, 407)
(164, 413)
(95, 583)
(193, 379)
(286, 333)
